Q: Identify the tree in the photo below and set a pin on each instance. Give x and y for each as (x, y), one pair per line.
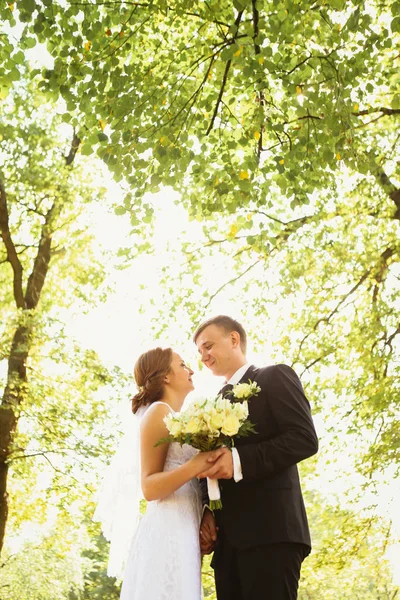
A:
(282, 118)
(53, 389)
(348, 557)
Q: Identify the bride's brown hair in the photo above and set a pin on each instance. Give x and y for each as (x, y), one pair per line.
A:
(150, 370)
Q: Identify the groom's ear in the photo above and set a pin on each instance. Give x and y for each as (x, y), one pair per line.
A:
(235, 338)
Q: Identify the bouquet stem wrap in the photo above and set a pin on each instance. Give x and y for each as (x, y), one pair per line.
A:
(214, 494)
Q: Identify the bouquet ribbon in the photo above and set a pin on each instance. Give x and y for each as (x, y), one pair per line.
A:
(214, 494)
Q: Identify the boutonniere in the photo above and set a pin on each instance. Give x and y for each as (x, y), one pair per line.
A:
(245, 391)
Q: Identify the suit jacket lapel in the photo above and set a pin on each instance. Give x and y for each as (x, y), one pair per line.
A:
(251, 371)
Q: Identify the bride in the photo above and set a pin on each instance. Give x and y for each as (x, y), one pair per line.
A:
(164, 559)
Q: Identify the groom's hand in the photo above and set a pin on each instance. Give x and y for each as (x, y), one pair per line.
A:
(208, 532)
(222, 467)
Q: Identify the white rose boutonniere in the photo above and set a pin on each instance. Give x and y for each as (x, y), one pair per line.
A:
(244, 391)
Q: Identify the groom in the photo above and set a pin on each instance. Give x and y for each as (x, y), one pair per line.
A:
(261, 535)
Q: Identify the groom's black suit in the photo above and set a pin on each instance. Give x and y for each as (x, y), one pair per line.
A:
(263, 531)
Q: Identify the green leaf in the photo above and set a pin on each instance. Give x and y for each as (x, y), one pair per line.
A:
(86, 150)
(102, 137)
(395, 25)
(395, 8)
(29, 42)
(395, 104)
(18, 58)
(13, 75)
(120, 210)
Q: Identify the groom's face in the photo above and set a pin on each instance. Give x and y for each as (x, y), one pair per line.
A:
(217, 349)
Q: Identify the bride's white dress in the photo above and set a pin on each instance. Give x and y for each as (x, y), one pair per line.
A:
(164, 561)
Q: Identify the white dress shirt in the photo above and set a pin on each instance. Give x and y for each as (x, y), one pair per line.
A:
(237, 467)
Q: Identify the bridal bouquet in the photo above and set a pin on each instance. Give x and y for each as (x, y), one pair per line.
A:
(213, 423)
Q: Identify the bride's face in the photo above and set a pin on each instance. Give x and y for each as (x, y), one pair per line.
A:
(180, 376)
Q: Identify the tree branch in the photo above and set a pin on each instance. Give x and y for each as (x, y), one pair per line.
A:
(298, 65)
(383, 110)
(41, 265)
(261, 97)
(225, 77)
(390, 189)
(12, 255)
(69, 159)
(391, 338)
(233, 280)
(315, 361)
(57, 470)
(332, 313)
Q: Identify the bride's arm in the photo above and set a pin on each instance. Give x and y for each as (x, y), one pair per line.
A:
(156, 483)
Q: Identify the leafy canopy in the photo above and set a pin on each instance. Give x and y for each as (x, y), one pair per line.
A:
(229, 102)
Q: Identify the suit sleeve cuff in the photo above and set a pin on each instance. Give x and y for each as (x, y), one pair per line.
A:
(204, 509)
(237, 466)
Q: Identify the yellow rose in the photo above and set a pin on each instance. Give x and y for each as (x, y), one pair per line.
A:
(216, 420)
(231, 425)
(192, 426)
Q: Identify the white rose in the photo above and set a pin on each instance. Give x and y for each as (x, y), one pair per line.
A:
(241, 410)
(174, 427)
(231, 425)
(222, 404)
(242, 390)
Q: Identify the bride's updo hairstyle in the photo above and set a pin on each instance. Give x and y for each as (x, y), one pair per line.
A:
(150, 370)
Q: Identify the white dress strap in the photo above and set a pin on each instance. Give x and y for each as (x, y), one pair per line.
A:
(165, 404)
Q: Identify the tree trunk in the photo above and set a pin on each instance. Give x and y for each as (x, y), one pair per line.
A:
(12, 399)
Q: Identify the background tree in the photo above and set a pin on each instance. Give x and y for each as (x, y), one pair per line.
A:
(54, 391)
(281, 114)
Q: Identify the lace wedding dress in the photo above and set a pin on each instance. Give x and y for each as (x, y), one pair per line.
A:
(164, 561)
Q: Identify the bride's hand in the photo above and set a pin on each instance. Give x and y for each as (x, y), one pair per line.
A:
(201, 461)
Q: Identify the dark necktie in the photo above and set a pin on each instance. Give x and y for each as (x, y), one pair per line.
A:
(226, 388)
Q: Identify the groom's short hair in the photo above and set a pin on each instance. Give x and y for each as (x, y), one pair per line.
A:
(228, 325)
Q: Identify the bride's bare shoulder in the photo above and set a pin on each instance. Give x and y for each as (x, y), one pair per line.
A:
(154, 417)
